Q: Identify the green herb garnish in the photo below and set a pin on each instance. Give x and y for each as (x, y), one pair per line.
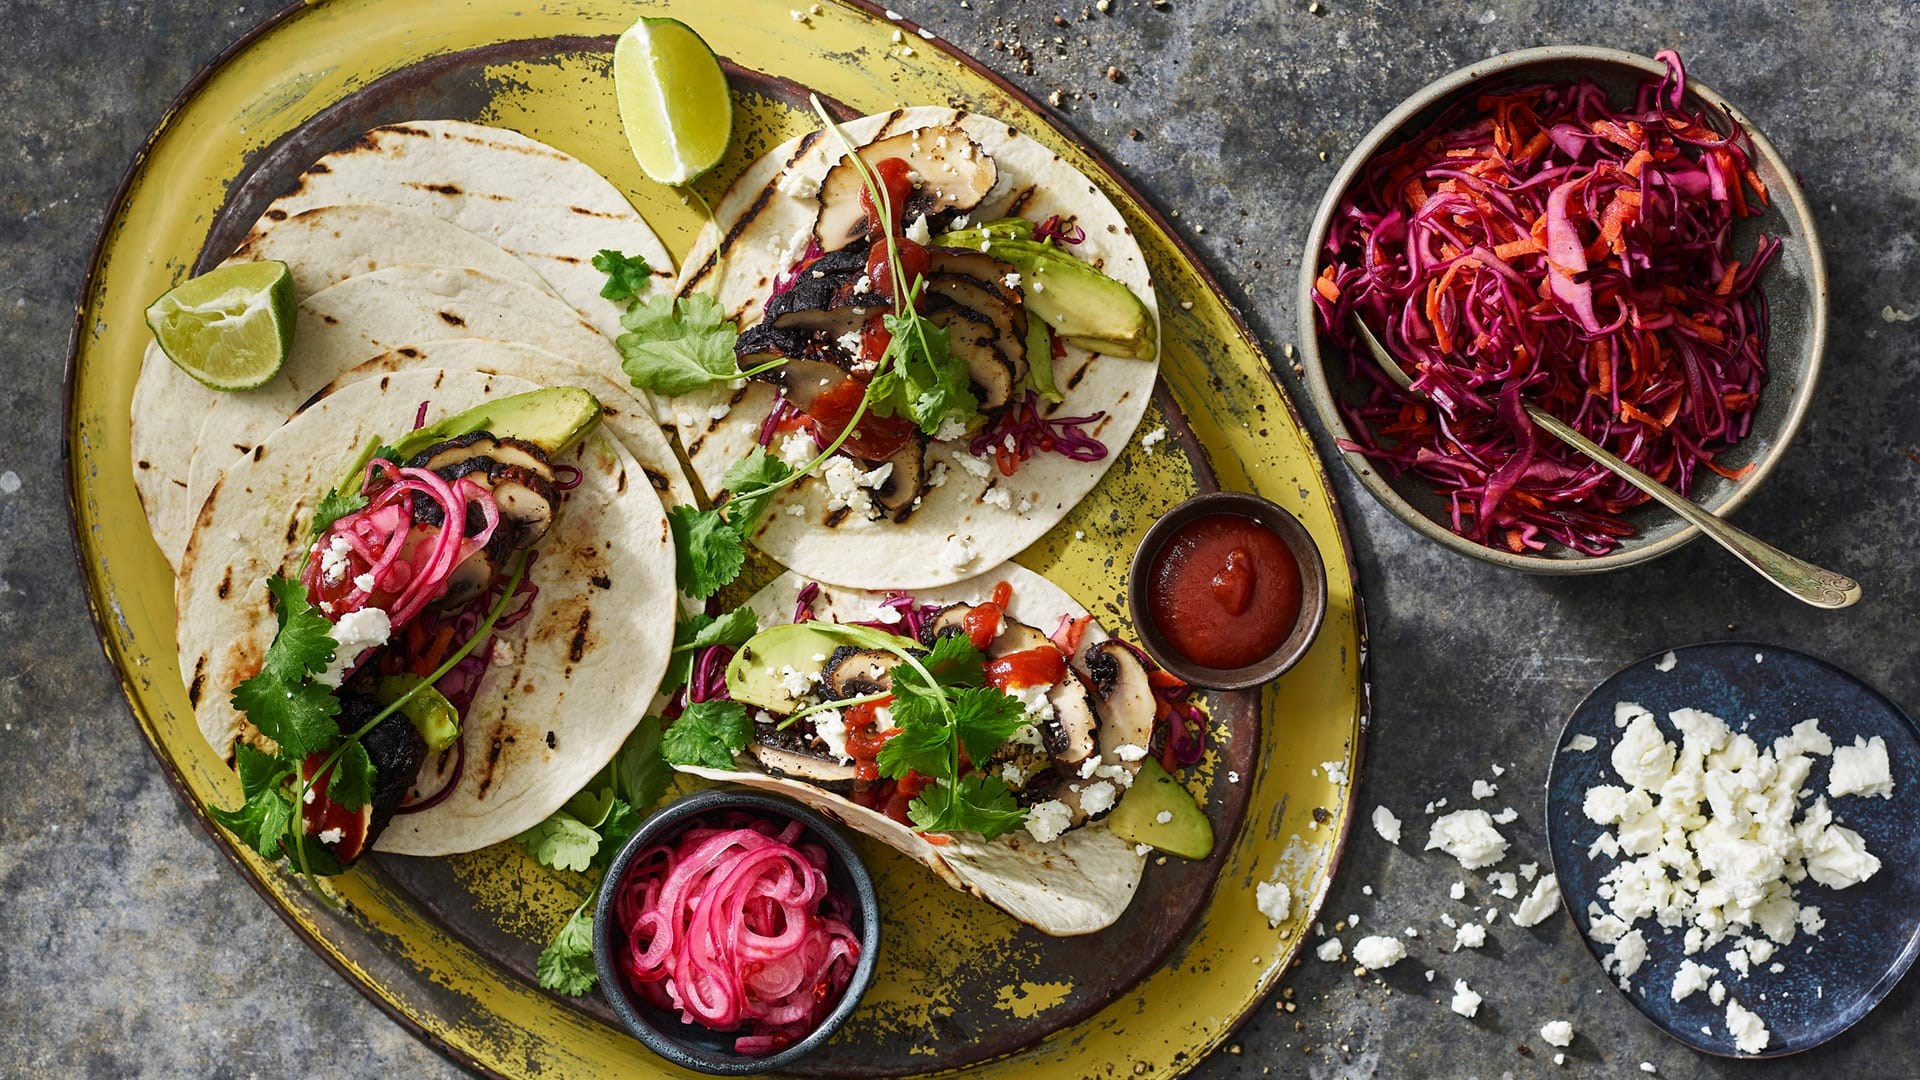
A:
(627, 275)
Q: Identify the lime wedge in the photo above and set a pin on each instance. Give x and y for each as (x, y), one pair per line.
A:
(673, 100)
(231, 327)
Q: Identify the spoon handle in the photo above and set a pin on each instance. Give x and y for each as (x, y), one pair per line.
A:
(1820, 587)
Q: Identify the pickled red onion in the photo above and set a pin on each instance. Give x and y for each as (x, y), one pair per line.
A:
(733, 925)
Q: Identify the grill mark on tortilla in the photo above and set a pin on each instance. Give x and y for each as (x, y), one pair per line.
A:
(834, 518)
(329, 319)
(705, 269)
(386, 381)
(226, 584)
(657, 480)
(1079, 373)
(693, 448)
(180, 483)
(1020, 201)
(601, 581)
(759, 204)
(620, 485)
(666, 533)
(584, 212)
(276, 214)
(293, 525)
(397, 129)
(885, 128)
(495, 746)
(144, 464)
(440, 378)
(319, 167)
(199, 681)
(568, 259)
(553, 742)
(259, 451)
(408, 351)
(451, 319)
(437, 189)
(577, 648)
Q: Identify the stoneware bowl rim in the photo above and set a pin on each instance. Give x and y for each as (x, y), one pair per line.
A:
(1313, 590)
(665, 1041)
(1668, 533)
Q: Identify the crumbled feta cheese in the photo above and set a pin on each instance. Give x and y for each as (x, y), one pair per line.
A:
(977, 466)
(1528, 870)
(951, 428)
(958, 553)
(1274, 900)
(1151, 438)
(1336, 772)
(1469, 836)
(1750, 1035)
(917, 232)
(1580, 744)
(1497, 770)
(1129, 752)
(1539, 904)
(1470, 936)
(1861, 769)
(1647, 1067)
(937, 476)
(1386, 824)
(334, 562)
(1690, 979)
(1011, 281)
(798, 449)
(1484, 790)
(1465, 1001)
(794, 184)
(331, 836)
(1378, 953)
(997, 496)
(832, 729)
(1098, 797)
(365, 582)
(1666, 661)
(720, 411)
(1329, 950)
(1504, 884)
(354, 633)
(1506, 817)
(1458, 890)
(1047, 820)
(1557, 1033)
(1014, 776)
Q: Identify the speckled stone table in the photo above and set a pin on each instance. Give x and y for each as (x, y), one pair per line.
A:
(128, 948)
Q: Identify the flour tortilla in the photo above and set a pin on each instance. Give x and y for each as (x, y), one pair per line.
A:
(362, 317)
(567, 683)
(547, 208)
(329, 244)
(956, 532)
(1078, 884)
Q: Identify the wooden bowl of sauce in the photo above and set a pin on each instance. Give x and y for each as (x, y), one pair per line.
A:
(1227, 591)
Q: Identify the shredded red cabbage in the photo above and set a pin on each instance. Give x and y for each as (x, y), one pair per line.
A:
(733, 924)
(1064, 233)
(1021, 430)
(420, 417)
(567, 477)
(709, 679)
(1541, 243)
(803, 602)
(791, 275)
(781, 412)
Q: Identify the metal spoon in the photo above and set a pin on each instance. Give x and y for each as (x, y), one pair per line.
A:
(1801, 579)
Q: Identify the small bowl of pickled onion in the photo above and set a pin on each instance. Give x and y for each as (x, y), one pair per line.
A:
(736, 932)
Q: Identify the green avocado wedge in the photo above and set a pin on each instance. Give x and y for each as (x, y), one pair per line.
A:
(1186, 832)
(554, 419)
(754, 674)
(1083, 306)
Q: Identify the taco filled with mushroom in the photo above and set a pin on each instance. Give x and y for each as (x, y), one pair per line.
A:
(419, 616)
(988, 729)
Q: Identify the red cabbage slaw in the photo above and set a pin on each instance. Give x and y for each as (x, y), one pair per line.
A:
(1022, 430)
(734, 925)
(1539, 243)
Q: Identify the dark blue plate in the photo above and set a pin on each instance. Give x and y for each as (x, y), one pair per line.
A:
(1873, 929)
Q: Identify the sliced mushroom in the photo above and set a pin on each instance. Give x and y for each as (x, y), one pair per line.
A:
(1074, 730)
(905, 482)
(526, 501)
(854, 672)
(804, 379)
(523, 454)
(1123, 698)
(813, 768)
(451, 452)
(469, 579)
(990, 272)
(951, 175)
(972, 336)
(1014, 636)
(1009, 320)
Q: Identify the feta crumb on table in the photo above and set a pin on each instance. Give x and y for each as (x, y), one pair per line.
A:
(1557, 1033)
(1465, 1001)
(1378, 953)
(1468, 836)
(1386, 824)
(1329, 950)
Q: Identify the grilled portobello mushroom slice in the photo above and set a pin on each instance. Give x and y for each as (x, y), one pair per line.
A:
(952, 175)
(974, 338)
(397, 752)
(1009, 319)
(895, 496)
(1123, 698)
(815, 769)
(802, 380)
(854, 672)
(1015, 636)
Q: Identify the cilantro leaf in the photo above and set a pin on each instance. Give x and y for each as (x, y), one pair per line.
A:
(707, 551)
(955, 660)
(984, 718)
(304, 642)
(562, 843)
(701, 631)
(757, 472)
(978, 803)
(258, 770)
(627, 275)
(923, 740)
(708, 734)
(298, 718)
(351, 782)
(566, 966)
(333, 506)
(260, 822)
(673, 347)
(639, 772)
(926, 383)
(619, 828)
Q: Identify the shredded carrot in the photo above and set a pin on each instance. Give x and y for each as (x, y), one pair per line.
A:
(435, 652)
(936, 839)
(1731, 474)
(1513, 249)
(1628, 412)
(1706, 332)
(1325, 287)
(1725, 284)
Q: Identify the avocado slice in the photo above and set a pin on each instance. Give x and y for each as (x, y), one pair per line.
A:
(431, 714)
(554, 419)
(1186, 833)
(753, 675)
(1082, 305)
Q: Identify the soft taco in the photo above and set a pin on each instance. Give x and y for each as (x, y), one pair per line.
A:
(1053, 722)
(1024, 276)
(496, 589)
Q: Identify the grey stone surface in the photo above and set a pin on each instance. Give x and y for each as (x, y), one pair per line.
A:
(127, 947)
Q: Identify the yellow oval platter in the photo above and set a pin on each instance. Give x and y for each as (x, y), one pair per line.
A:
(543, 69)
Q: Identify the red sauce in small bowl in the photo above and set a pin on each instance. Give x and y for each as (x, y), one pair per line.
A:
(1225, 591)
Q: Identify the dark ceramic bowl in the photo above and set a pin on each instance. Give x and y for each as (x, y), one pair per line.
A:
(1313, 590)
(689, 1045)
(1796, 290)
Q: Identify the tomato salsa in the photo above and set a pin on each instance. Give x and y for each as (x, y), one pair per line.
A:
(1225, 591)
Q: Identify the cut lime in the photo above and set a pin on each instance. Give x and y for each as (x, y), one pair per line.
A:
(673, 100)
(231, 327)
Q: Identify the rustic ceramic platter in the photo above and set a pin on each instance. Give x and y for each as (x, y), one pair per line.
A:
(447, 945)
